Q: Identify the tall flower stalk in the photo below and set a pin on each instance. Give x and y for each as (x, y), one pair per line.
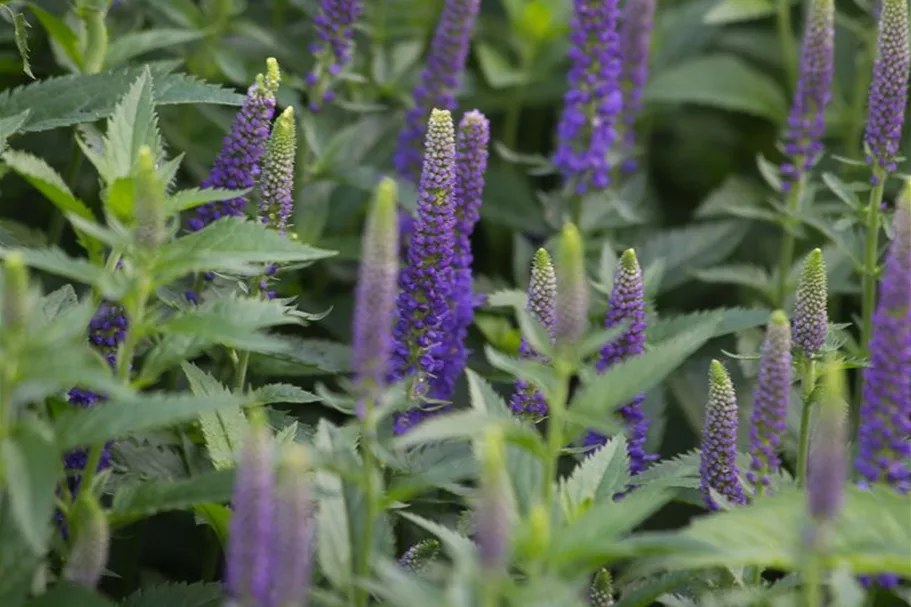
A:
(527, 401)
(425, 284)
(806, 122)
(471, 163)
(635, 46)
(335, 32)
(438, 82)
(592, 103)
(718, 465)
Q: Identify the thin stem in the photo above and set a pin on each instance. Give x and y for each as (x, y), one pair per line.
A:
(788, 240)
(555, 421)
(788, 45)
(240, 376)
(803, 447)
(372, 497)
(812, 589)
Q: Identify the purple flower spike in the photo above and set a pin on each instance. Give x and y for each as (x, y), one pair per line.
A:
(237, 165)
(635, 44)
(294, 532)
(806, 122)
(885, 414)
(572, 289)
(249, 554)
(528, 402)
(718, 464)
(419, 557)
(827, 467)
(491, 516)
(471, 163)
(439, 81)
(889, 87)
(811, 316)
(425, 284)
(335, 29)
(769, 421)
(374, 311)
(276, 188)
(587, 127)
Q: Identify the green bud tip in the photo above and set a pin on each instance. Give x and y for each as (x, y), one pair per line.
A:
(539, 524)
(628, 260)
(718, 376)
(492, 451)
(542, 259)
(149, 201)
(15, 289)
(778, 317)
(295, 462)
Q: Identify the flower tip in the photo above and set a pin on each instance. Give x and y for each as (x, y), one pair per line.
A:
(717, 373)
(628, 260)
(437, 115)
(146, 159)
(778, 317)
(542, 258)
(273, 75)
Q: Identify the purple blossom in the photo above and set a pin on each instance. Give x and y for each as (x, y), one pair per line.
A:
(769, 421)
(237, 165)
(827, 466)
(718, 465)
(491, 515)
(571, 317)
(294, 532)
(635, 42)
(806, 122)
(471, 163)
(335, 29)
(885, 414)
(422, 310)
(249, 554)
(376, 293)
(417, 558)
(889, 87)
(627, 304)
(527, 401)
(811, 316)
(587, 127)
(438, 82)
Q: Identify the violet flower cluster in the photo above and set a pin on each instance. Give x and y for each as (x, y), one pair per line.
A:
(587, 127)
(811, 315)
(769, 421)
(237, 166)
(425, 284)
(438, 81)
(806, 122)
(718, 462)
(419, 557)
(335, 29)
(527, 401)
(635, 45)
(471, 163)
(888, 96)
(627, 304)
(827, 469)
(884, 452)
(271, 534)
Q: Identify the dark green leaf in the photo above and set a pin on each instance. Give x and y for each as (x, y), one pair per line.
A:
(66, 594)
(141, 500)
(11, 125)
(283, 393)
(729, 320)
(194, 197)
(20, 34)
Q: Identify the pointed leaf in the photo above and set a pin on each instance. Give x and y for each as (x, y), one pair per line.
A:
(223, 431)
(141, 500)
(31, 467)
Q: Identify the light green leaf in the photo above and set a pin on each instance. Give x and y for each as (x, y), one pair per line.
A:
(508, 298)
(18, 561)
(597, 478)
(484, 398)
(142, 500)
(223, 431)
(537, 374)
(458, 546)
(132, 125)
(306, 357)
(284, 393)
(121, 416)
(231, 245)
(10, 125)
(59, 301)
(496, 68)
(735, 11)
(76, 99)
(729, 320)
(60, 32)
(133, 44)
(721, 81)
(458, 425)
(194, 197)
(31, 467)
(645, 595)
(20, 35)
(744, 275)
(56, 262)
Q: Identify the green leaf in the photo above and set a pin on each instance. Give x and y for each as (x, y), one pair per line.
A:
(735, 11)
(140, 500)
(313, 356)
(597, 478)
(218, 517)
(223, 431)
(686, 249)
(133, 44)
(721, 81)
(729, 320)
(66, 594)
(58, 301)
(20, 34)
(11, 125)
(508, 298)
(31, 466)
(132, 125)
(619, 384)
(744, 275)
(194, 197)
(458, 546)
(18, 561)
(60, 32)
(334, 536)
(120, 416)
(56, 262)
(284, 393)
(484, 398)
(231, 245)
(537, 374)
(496, 68)
(645, 595)
(457, 425)
(76, 99)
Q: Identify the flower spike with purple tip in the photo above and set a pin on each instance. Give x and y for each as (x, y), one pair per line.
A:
(718, 462)
(335, 29)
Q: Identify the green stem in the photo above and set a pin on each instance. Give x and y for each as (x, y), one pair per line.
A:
(788, 240)
(557, 410)
(96, 40)
(803, 447)
(372, 496)
(240, 376)
(812, 589)
(788, 45)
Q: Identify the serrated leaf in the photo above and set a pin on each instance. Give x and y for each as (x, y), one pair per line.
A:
(20, 35)
(457, 545)
(57, 262)
(645, 595)
(841, 189)
(10, 125)
(31, 465)
(316, 354)
(194, 197)
(721, 81)
(536, 373)
(141, 500)
(231, 245)
(133, 44)
(457, 425)
(76, 99)
(59, 301)
(284, 393)
(223, 431)
(132, 125)
(596, 478)
(729, 320)
(137, 413)
(679, 471)
(60, 32)
(744, 275)
(484, 398)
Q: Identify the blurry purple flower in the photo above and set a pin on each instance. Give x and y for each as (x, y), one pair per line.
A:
(335, 29)
(827, 466)
(635, 42)
(417, 558)
(237, 165)
(587, 127)
(572, 289)
(769, 421)
(888, 96)
(491, 515)
(806, 122)
(294, 532)
(811, 316)
(439, 81)
(527, 401)
(718, 466)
